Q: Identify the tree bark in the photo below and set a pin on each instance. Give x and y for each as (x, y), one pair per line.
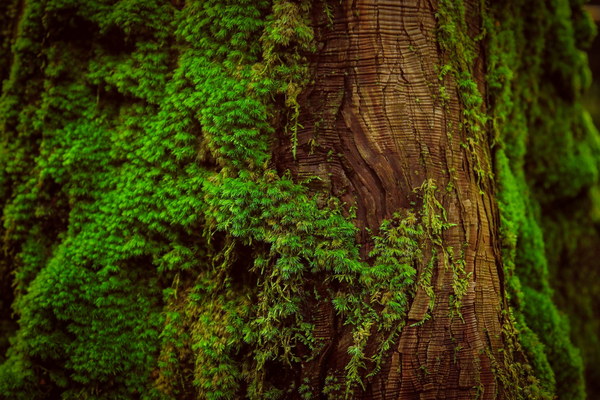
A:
(374, 129)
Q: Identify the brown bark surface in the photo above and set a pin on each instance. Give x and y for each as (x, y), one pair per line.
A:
(373, 129)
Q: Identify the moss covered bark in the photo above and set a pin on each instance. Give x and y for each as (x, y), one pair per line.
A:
(163, 236)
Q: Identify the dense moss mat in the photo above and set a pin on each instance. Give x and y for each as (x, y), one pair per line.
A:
(150, 250)
(547, 166)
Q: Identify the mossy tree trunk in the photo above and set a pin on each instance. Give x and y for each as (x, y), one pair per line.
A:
(288, 199)
(392, 124)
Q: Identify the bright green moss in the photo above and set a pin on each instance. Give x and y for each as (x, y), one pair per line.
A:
(88, 308)
(547, 152)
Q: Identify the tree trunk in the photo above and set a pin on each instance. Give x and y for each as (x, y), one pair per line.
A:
(379, 122)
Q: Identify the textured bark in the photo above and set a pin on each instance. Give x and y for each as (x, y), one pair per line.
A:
(373, 129)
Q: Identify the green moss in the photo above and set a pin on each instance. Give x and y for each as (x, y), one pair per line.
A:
(572, 249)
(459, 52)
(145, 168)
(537, 70)
(538, 159)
